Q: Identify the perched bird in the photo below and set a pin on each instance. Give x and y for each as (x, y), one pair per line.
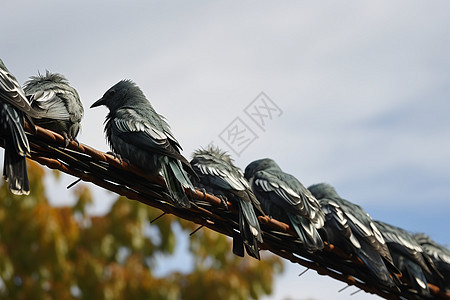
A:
(12, 93)
(13, 106)
(137, 133)
(408, 256)
(283, 197)
(219, 176)
(350, 228)
(440, 257)
(57, 103)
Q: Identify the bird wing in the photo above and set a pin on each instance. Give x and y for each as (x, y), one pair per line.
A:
(398, 236)
(360, 221)
(439, 254)
(403, 243)
(288, 191)
(337, 220)
(137, 131)
(53, 103)
(220, 174)
(54, 98)
(362, 225)
(11, 92)
(166, 129)
(433, 249)
(271, 183)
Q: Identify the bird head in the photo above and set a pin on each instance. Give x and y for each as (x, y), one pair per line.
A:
(323, 190)
(259, 165)
(119, 95)
(214, 153)
(37, 83)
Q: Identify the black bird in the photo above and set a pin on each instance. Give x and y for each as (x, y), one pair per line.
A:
(283, 197)
(408, 256)
(13, 106)
(138, 134)
(441, 259)
(57, 103)
(350, 228)
(219, 176)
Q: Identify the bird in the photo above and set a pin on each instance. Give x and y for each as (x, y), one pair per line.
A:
(283, 197)
(57, 103)
(408, 256)
(219, 176)
(14, 107)
(141, 136)
(440, 256)
(350, 228)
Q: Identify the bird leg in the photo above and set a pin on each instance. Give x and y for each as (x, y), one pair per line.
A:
(222, 198)
(76, 141)
(224, 201)
(118, 156)
(66, 139)
(204, 192)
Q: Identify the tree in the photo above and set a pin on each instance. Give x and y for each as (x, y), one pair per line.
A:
(63, 253)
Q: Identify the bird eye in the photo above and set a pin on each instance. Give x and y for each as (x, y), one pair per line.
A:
(111, 93)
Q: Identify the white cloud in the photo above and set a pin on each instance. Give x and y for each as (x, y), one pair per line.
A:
(349, 76)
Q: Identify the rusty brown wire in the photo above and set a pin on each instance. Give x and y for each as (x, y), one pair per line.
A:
(105, 170)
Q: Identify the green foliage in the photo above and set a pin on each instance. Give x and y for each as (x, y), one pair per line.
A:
(63, 253)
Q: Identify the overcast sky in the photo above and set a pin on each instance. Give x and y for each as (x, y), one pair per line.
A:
(361, 90)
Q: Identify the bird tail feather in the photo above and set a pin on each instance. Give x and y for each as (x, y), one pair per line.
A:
(15, 170)
(416, 276)
(249, 228)
(176, 180)
(16, 148)
(238, 244)
(374, 262)
(307, 233)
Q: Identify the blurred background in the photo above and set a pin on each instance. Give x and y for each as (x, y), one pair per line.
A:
(362, 97)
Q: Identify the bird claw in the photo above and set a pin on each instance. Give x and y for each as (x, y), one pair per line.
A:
(119, 157)
(66, 140)
(115, 155)
(224, 201)
(204, 192)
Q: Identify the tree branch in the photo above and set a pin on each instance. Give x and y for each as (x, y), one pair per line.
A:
(108, 172)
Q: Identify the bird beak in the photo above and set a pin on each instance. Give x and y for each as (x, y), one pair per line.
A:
(99, 102)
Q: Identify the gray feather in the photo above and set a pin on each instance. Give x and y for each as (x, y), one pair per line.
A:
(13, 107)
(12, 93)
(439, 261)
(218, 175)
(57, 103)
(408, 255)
(286, 199)
(349, 227)
(141, 136)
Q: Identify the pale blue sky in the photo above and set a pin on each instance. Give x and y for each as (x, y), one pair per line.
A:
(363, 87)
